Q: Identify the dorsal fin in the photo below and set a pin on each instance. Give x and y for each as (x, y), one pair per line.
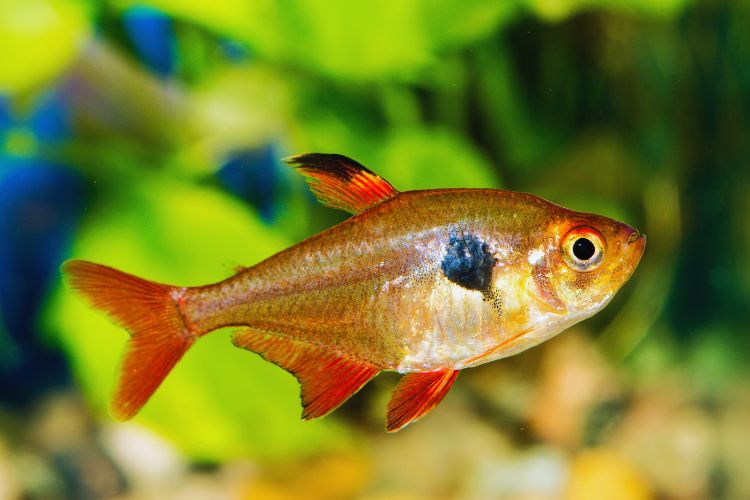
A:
(326, 378)
(416, 394)
(340, 182)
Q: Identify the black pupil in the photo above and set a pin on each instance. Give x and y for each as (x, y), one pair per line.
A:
(583, 249)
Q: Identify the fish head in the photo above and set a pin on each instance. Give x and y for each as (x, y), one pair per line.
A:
(589, 258)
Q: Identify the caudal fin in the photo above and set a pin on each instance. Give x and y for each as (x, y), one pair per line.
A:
(158, 334)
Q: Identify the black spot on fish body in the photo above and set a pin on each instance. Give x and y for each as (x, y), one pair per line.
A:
(468, 262)
(493, 298)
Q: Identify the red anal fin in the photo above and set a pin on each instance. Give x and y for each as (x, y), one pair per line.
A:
(340, 182)
(326, 378)
(416, 394)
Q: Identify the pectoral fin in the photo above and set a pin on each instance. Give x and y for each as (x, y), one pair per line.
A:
(326, 378)
(416, 394)
(340, 182)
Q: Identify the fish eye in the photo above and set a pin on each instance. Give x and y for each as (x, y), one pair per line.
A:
(583, 249)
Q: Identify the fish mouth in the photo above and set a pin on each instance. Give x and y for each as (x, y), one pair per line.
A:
(635, 246)
(637, 241)
(635, 236)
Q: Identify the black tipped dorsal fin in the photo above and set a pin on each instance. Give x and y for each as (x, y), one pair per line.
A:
(340, 182)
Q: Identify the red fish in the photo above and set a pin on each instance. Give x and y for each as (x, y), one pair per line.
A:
(425, 283)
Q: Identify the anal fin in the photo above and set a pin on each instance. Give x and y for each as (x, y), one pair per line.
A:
(416, 394)
(326, 377)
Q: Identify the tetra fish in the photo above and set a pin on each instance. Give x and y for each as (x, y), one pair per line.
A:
(424, 283)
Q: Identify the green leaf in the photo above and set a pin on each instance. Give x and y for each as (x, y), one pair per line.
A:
(557, 10)
(346, 39)
(38, 40)
(417, 158)
(236, 108)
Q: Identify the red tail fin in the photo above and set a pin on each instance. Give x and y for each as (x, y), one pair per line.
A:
(159, 336)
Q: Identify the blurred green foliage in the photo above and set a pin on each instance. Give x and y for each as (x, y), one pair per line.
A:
(340, 39)
(38, 40)
(599, 105)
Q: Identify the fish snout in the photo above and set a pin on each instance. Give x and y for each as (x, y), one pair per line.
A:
(630, 235)
(635, 243)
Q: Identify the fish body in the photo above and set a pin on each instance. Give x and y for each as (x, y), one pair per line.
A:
(425, 283)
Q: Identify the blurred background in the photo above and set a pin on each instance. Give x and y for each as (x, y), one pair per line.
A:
(147, 135)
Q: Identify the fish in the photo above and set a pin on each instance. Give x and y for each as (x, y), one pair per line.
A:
(424, 283)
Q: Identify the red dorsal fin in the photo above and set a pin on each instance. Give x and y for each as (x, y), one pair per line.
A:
(340, 182)
(416, 394)
(326, 378)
